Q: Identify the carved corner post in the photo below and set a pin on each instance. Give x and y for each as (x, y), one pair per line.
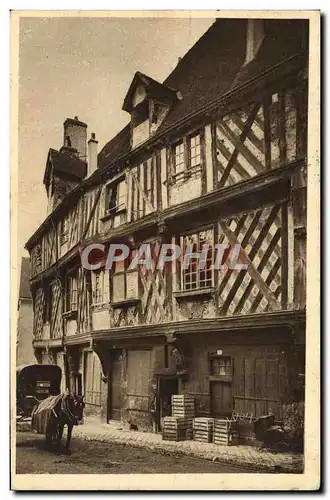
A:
(299, 203)
(103, 354)
(72, 368)
(164, 237)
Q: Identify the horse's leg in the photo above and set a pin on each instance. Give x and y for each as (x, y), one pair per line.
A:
(68, 440)
(59, 437)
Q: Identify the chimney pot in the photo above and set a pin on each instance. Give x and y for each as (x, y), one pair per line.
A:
(76, 118)
(92, 154)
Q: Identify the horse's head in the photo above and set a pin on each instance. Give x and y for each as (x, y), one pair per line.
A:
(79, 405)
(75, 404)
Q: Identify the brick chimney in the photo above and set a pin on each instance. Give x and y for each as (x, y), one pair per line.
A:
(75, 137)
(254, 37)
(92, 154)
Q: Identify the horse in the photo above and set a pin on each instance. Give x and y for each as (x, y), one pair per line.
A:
(51, 415)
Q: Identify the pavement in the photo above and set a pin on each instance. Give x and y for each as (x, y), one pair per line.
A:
(243, 456)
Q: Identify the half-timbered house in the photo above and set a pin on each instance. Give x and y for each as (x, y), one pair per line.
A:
(216, 154)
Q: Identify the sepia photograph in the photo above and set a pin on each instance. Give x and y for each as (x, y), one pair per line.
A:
(164, 196)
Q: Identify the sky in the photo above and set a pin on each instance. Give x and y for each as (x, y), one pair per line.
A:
(83, 67)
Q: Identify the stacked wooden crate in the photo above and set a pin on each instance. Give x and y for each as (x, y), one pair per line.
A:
(183, 406)
(175, 429)
(203, 429)
(225, 432)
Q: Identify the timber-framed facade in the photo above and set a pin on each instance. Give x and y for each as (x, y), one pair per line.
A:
(218, 154)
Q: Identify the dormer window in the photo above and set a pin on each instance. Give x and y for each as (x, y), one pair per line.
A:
(148, 103)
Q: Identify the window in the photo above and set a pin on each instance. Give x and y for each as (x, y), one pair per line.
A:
(48, 303)
(100, 287)
(124, 282)
(221, 366)
(115, 198)
(186, 154)
(178, 157)
(194, 151)
(63, 231)
(197, 272)
(71, 294)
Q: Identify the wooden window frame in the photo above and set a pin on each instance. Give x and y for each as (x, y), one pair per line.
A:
(71, 291)
(111, 212)
(104, 298)
(125, 272)
(188, 169)
(208, 282)
(221, 377)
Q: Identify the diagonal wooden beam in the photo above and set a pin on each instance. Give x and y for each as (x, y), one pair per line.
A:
(237, 141)
(260, 268)
(92, 213)
(142, 193)
(263, 232)
(245, 241)
(268, 282)
(237, 165)
(241, 148)
(258, 143)
(251, 268)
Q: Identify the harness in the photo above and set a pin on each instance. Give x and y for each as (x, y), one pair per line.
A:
(68, 413)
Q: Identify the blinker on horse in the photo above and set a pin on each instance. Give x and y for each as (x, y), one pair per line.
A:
(51, 415)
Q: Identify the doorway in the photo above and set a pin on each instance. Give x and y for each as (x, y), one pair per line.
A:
(221, 399)
(115, 386)
(166, 387)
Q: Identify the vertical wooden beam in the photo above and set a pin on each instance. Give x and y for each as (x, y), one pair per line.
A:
(174, 282)
(216, 271)
(208, 158)
(203, 161)
(214, 155)
(158, 179)
(186, 152)
(281, 126)
(129, 196)
(169, 172)
(267, 133)
(290, 255)
(284, 256)
(153, 181)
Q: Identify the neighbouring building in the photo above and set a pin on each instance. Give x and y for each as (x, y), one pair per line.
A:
(24, 347)
(216, 154)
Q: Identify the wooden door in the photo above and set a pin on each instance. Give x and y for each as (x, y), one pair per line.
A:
(221, 399)
(116, 388)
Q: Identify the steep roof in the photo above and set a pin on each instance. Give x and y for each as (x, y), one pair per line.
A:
(213, 66)
(153, 89)
(116, 147)
(24, 286)
(64, 162)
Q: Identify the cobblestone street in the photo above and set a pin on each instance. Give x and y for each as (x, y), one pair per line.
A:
(110, 448)
(105, 458)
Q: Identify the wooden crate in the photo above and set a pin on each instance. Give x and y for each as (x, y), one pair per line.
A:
(177, 428)
(203, 423)
(225, 432)
(183, 406)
